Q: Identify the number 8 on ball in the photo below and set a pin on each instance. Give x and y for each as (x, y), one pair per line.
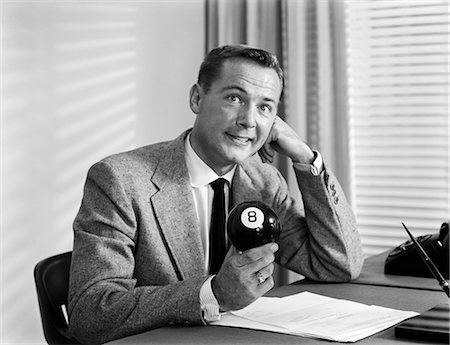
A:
(252, 217)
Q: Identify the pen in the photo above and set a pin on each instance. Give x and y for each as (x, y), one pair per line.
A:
(434, 270)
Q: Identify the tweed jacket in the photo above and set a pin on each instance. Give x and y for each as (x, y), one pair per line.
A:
(138, 263)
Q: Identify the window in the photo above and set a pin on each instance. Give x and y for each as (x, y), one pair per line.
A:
(398, 106)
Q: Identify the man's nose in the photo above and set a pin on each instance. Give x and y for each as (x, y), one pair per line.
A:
(247, 116)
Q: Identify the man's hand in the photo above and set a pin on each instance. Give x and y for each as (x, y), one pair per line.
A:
(236, 284)
(284, 140)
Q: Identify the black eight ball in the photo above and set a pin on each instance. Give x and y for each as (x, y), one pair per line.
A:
(252, 224)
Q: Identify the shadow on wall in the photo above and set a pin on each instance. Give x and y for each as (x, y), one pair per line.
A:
(68, 99)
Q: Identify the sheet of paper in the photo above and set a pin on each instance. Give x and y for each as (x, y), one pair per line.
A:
(317, 316)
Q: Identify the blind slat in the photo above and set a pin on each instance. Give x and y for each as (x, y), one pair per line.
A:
(418, 147)
(379, 5)
(440, 99)
(430, 9)
(405, 181)
(422, 59)
(432, 45)
(384, 130)
(416, 40)
(397, 192)
(363, 31)
(401, 111)
(372, 90)
(399, 19)
(400, 162)
(392, 120)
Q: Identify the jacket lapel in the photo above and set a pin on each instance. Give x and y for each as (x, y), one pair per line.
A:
(241, 187)
(174, 208)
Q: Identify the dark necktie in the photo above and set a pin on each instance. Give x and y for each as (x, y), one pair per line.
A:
(217, 239)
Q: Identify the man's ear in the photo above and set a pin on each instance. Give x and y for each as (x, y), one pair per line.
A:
(195, 98)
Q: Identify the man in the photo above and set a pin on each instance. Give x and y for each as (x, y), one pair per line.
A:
(141, 256)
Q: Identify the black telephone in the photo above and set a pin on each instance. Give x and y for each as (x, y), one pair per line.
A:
(405, 260)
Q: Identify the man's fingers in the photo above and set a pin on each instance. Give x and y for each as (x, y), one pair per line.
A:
(266, 285)
(266, 153)
(254, 254)
(267, 271)
(257, 257)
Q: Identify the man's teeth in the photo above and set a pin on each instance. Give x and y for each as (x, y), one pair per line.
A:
(241, 139)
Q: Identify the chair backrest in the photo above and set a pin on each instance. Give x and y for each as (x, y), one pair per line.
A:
(51, 276)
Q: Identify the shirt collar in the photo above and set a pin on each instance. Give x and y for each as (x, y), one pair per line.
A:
(199, 172)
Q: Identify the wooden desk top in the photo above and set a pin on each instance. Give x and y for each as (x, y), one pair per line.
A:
(372, 287)
(373, 274)
(393, 297)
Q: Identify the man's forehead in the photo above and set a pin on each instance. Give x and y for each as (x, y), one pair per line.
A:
(239, 72)
(236, 64)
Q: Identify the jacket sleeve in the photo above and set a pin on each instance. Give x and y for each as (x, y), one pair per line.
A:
(321, 241)
(105, 300)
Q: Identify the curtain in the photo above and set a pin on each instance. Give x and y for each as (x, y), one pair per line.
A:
(252, 22)
(316, 93)
(302, 34)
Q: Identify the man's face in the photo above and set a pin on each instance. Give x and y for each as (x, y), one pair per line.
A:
(235, 116)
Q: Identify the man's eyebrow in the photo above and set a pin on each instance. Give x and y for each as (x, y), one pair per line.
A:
(267, 99)
(233, 87)
(236, 87)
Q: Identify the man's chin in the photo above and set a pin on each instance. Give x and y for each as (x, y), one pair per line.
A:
(242, 156)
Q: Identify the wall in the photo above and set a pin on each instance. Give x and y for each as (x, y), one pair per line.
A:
(80, 80)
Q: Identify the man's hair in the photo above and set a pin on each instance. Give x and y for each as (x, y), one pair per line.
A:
(211, 66)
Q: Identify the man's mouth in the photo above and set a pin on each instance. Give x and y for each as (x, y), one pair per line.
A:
(240, 139)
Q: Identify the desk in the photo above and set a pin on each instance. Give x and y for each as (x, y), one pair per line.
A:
(398, 297)
(373, 274)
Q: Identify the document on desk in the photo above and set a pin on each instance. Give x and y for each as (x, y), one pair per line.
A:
(315, 316)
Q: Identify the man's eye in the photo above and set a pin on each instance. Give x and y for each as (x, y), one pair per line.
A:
(234, 99)
(266, 108)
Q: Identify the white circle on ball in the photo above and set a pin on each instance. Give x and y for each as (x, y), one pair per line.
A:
(252, 217)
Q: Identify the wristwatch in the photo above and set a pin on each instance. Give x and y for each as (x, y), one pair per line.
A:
(317, 164)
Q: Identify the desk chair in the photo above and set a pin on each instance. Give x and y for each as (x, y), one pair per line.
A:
(51, 276)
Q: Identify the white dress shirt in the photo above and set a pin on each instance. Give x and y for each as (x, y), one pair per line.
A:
(201, 175)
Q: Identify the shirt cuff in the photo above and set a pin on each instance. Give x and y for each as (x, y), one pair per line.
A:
(316, 167)
(208, 302)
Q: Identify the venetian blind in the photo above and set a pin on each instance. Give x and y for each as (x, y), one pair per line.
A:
(398, 87)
